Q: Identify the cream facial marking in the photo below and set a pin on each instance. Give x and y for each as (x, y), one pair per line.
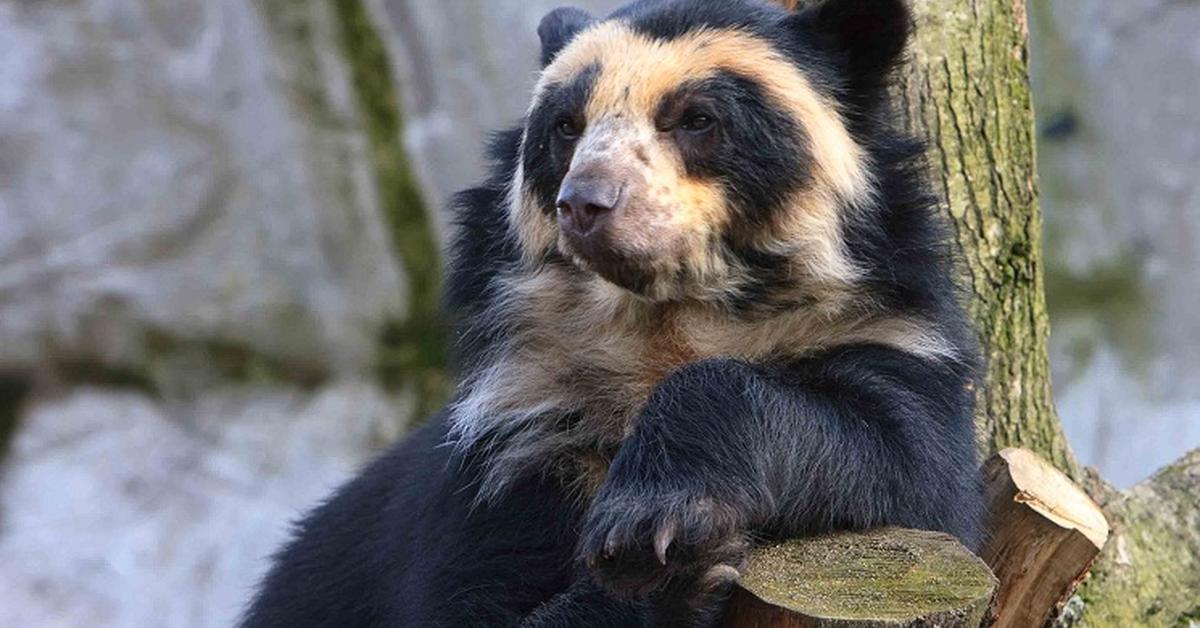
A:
(637, 72)
(672, 219)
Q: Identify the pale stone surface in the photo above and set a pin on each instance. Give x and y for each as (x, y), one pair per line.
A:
(162, 168)
(465, 70)
(176, 175)
(120, 510)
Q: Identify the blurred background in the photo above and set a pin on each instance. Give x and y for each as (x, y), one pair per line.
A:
(218, 231)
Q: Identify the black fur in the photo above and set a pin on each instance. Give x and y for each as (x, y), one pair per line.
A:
(484, 234)
(558, 28)
(549, 154)
(866, 38)
(671, 19)
(758, 153)
(858, 437)
(403, 545)
(725, 453)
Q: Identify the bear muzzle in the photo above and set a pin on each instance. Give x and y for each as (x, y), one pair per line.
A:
(586, 205)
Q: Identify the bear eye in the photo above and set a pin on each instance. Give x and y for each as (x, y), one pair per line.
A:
(568, 128)
(697, 122)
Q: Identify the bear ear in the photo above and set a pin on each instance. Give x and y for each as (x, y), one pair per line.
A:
(871, 35)
(558, 28)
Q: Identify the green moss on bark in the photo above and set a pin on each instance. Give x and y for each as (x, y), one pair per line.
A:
(888, 577)
(1149, 573)
(967, 91)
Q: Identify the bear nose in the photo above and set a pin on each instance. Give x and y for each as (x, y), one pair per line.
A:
(584, 205)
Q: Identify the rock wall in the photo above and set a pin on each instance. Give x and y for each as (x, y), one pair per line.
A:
(184, 172)
(1116, 86)
(195, 268)
(465, 71)
(123, 510)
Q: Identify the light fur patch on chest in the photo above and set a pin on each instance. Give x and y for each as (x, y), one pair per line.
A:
(583, 358)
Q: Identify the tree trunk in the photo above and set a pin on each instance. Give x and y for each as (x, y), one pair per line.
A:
(1149, 573)
(1044, 534)
(967, 91)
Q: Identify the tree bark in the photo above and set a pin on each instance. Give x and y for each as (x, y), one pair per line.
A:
(889, 578)
(1044, 533)
(1149, 573)
(966, 90)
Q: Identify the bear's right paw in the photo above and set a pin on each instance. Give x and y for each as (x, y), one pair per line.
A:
(635, 546)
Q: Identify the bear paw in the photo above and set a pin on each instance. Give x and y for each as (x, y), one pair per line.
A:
(638, 545)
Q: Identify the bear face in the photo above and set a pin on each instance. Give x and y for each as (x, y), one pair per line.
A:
(675, 146)
(694, 179)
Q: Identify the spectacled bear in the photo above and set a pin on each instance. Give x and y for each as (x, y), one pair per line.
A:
(706, 299)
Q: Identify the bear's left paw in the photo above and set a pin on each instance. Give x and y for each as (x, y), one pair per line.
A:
(635, 546)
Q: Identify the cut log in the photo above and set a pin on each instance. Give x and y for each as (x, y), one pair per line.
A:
(1044, 533)
(880, 579)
